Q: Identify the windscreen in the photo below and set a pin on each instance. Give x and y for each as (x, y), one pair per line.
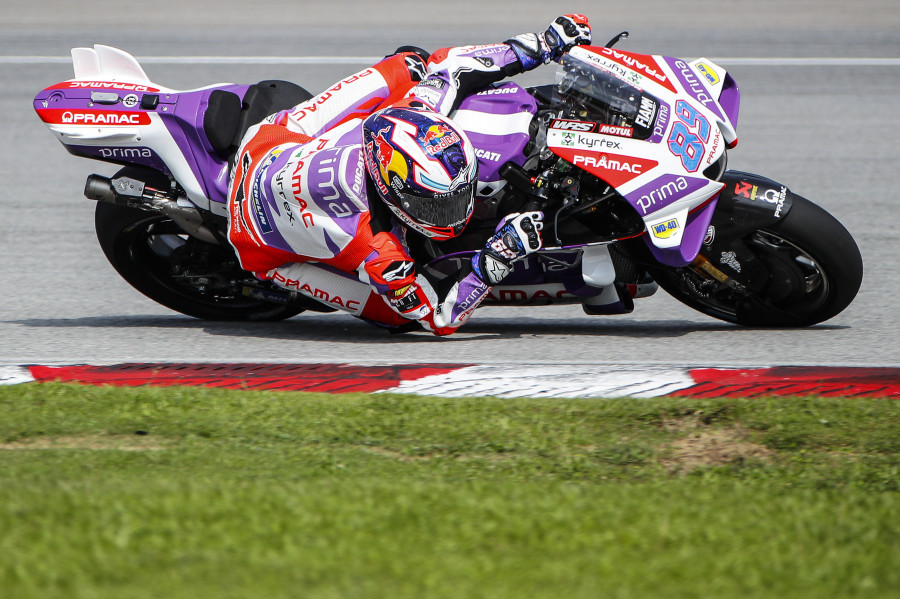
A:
(606, 98)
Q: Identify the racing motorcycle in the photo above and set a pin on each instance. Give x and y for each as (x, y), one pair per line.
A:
(625, 154)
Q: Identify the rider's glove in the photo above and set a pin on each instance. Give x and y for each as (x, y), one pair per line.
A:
(566, 32)
(535, 49)
(518, 236)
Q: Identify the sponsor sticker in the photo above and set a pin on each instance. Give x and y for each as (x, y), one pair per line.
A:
(730, 259)
(772, 196)
(493, 91)
(488, 155)
(665, 229)
(708, 72)
(105, 85)
(616, 163)
(616, 130)
(567, 125)
(643, 64)
(60, 116)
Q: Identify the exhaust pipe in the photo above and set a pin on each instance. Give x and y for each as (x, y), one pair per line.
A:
(132, 193)
(99, 189)
(123, 191)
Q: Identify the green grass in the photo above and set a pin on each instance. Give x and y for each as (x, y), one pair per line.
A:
(194, 493)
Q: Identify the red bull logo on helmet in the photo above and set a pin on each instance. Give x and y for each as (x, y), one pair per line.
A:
(388, 159)
(384, 151)
(437, 138)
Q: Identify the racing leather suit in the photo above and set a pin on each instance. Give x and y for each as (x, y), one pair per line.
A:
(303, 212)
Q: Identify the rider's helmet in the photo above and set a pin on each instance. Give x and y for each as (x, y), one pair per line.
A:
(424, 168)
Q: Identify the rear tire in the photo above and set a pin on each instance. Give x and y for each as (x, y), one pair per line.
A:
(156, 257)
(806, 269)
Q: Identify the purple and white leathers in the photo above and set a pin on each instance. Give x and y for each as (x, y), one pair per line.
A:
(421, 165)
(596, 190)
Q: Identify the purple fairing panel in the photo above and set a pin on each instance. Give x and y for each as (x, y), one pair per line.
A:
(497, 140)
(662, 123)
(730, 99)
(691, 83)
(663, 191)
(137, 155)
(185, 124)
(56, 104)
(694, 233)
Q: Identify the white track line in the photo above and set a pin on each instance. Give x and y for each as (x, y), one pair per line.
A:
(326, 60)
(551, 381)
(14, 375)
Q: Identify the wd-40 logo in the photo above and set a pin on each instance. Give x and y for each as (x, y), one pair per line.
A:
(708, 72)
(665, 229)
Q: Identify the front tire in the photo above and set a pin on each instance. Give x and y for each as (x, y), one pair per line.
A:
(180, 272)
(799, 271)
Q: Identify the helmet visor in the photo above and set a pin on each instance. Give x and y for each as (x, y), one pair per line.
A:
(451, 209)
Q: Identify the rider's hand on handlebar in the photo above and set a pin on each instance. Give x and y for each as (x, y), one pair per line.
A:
(565, 32)
(518, 236)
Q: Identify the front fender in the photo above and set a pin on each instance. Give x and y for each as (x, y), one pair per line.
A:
(748, 202)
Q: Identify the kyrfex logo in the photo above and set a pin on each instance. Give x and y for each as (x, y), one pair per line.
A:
(643, 64)
(93, 117)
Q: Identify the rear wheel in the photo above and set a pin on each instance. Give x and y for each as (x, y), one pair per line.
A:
(799, 271)
(180, 272)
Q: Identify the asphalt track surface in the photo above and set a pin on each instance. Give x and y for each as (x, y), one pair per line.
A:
(826, 126)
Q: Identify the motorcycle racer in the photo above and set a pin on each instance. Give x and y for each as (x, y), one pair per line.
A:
(323, 196)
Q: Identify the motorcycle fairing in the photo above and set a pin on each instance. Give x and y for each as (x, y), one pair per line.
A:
(113, 112)
(687, 131)
(497, 121)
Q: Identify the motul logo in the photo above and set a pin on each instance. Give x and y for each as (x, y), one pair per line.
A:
(93, 117)
(616, 130)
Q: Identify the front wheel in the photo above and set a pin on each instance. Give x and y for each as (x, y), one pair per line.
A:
(180, 272)
(799, 271)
